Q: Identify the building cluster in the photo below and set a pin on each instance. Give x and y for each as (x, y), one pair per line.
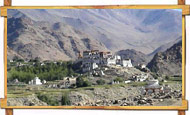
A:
(94, 59)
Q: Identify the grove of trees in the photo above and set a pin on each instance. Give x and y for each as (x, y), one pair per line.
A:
(49, 71)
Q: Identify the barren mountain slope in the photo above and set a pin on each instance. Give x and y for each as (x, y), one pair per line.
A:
(48, 41)
(118, 29)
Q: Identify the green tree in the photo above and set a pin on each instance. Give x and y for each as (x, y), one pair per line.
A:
(83, 82)
(100, 82)
(65, 100)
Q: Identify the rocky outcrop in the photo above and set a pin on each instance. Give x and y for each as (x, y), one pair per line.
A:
(123, 96)
(168, 62)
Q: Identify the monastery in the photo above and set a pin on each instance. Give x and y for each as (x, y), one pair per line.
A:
(94, 59)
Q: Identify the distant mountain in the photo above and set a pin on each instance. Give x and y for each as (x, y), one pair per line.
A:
(136, 57)
(168, 62)
(118, 29)
(48, 41)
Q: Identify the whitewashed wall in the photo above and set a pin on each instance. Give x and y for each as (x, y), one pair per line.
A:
(90, 2)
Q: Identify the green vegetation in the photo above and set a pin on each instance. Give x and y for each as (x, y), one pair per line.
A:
(176, 78)
(48, 99)
(20, 75)
(65, 99)
(48, 71)
(100, 82)
(83, 82)
(135, 84)
(173, 78)
(167, 77)
(17, 59)
(118, 79)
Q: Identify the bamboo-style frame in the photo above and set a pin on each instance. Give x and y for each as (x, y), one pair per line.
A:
(185, 11)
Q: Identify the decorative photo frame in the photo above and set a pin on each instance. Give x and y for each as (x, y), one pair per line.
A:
(180, 109)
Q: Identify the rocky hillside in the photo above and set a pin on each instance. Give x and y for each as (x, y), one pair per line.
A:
(48, 41)
(168, 62)
(117, 29)
(31, 100)
(136, 57)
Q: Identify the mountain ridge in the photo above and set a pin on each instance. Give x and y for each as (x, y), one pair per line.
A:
(168, 62)
(118, 29)
(47, 41)
(111, 29)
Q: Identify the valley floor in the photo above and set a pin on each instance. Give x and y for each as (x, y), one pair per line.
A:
(99, 95)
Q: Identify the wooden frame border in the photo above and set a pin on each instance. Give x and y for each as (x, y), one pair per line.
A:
(185, 8)
(185, 11)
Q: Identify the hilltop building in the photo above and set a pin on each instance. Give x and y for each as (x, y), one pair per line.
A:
(126, 63)
(93, 59)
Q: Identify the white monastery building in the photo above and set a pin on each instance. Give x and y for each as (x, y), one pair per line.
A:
(93, 59)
